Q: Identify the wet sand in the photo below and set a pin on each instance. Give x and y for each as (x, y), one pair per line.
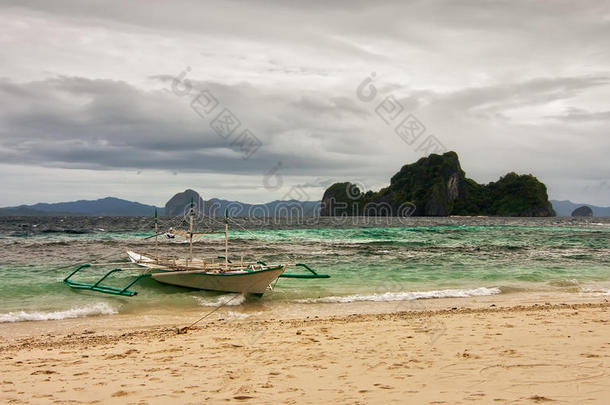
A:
(455, 351)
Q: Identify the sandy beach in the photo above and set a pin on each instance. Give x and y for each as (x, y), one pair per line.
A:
(459, 351)
(304, 202)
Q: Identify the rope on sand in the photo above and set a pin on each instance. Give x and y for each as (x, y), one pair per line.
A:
(186, 328)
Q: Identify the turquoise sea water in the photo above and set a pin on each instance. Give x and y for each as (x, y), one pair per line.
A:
(415, 260)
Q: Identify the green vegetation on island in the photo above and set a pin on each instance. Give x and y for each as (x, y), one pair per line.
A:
(437, 186)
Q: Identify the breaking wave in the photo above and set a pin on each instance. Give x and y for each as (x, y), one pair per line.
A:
(406, 296)
(100, 308)
(594, 292)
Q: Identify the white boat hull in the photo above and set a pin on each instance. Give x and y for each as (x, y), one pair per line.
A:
(255, 282)
(251, 281)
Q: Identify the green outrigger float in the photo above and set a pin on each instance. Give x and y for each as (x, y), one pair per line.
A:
(216, 274)
(99, 287)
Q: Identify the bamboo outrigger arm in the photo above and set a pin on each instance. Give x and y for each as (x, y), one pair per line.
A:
(314, 274)
(99, 287)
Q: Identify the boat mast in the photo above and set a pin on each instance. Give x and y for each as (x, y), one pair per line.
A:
(191, 232)
(156, 237)
(226, 239)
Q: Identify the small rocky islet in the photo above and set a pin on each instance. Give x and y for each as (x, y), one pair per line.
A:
(437, 186)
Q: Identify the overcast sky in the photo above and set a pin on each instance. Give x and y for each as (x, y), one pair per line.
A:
(264, 100)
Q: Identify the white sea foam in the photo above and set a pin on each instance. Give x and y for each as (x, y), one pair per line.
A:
(406, 296)
(223, 300)
(595, 292)
(100, 308)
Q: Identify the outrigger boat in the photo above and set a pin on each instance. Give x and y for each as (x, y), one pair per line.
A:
(253, 277)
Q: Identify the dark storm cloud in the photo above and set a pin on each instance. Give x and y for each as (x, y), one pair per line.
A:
(507, 84)
(104, 124)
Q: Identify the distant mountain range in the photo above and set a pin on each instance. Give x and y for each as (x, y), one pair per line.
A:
(179, 205)
(108, 206)
(564, 208)
(111, 206)
(176, 206)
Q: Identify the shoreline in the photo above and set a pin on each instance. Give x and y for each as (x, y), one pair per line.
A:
(261, 310)
(506, 353)
(168, 329)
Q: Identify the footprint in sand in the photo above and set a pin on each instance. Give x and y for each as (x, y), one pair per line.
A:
(538, 398)
(43, 372)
